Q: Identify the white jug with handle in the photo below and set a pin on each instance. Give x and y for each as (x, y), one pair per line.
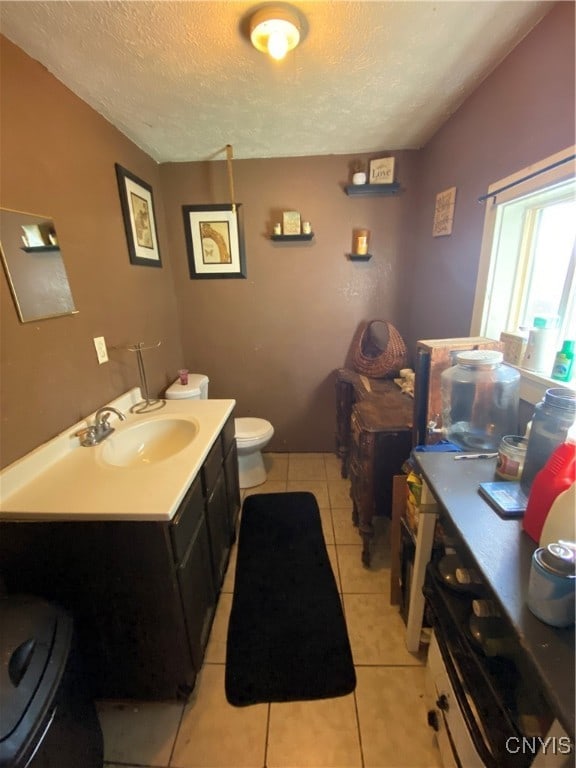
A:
(560, 523)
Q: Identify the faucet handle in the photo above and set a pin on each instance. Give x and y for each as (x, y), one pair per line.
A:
(87, 436)
(103, 414)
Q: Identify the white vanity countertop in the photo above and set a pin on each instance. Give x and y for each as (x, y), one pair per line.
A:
(61, 480)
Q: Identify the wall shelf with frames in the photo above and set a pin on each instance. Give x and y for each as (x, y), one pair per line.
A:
(291, 238)
(375, 190)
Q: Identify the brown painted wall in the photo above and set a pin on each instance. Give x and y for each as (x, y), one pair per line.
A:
(58, 159)
(274, 340)
(522, 113)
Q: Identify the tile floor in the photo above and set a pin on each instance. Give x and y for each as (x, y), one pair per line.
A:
(381, 725)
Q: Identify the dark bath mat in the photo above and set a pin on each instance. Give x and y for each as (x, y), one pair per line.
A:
(287, 637)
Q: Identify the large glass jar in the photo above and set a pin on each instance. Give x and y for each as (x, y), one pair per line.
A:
(480, 398)
(553, 417)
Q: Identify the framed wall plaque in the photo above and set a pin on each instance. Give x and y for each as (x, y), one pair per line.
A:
(214, 240)
(139, 220)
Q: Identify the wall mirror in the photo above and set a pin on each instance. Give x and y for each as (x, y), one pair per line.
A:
(34, 266)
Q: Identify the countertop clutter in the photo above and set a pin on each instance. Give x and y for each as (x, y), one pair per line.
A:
(502, 552)
(61, 480)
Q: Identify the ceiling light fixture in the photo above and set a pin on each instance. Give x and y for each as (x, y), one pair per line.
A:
(275, 29)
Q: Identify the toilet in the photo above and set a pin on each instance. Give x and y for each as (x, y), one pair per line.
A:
(252, 434)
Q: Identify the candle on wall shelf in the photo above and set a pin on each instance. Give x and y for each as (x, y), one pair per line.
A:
(360, 242)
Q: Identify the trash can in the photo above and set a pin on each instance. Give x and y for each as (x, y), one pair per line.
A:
(48, 717)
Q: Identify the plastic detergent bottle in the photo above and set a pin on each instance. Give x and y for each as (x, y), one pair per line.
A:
(557, 475)
(563, 363)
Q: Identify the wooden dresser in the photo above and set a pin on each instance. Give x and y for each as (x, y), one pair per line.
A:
(373, 440)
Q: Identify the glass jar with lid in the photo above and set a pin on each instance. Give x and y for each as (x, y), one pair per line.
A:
(480, 396)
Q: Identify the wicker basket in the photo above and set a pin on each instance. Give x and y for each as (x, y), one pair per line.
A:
(382, 358)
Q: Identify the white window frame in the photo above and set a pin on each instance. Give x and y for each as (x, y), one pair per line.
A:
(537, 176)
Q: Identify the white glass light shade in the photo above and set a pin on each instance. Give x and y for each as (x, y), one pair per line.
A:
(274, 31)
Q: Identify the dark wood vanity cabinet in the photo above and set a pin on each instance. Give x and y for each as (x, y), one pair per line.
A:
(143, 594)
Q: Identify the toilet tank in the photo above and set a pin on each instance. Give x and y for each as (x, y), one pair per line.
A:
(196, 389)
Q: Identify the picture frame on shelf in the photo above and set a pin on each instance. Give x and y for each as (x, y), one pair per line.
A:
(291, 223)
(137, 202)
(381, 171)
(215, 241)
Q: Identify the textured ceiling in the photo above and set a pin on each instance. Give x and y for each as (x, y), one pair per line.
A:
(181, 80)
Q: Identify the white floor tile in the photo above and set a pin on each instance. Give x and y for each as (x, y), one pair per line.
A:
(314, 734)
(215, 734)
(376, 631)
(392, 714)
(318, 487)
(216, 648)
(139, 732)
(356, 577)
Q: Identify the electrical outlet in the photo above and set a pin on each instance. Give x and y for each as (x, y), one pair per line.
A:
(101, 351)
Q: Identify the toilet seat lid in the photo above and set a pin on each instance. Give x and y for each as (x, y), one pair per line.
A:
(177, 391)
(248, 428)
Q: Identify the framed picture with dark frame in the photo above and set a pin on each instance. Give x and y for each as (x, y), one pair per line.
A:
(214, 241)
(137, 204)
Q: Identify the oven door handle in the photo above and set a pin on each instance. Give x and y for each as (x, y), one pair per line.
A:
(459, 692)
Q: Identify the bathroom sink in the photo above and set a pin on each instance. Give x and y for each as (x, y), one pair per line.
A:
(148, 442)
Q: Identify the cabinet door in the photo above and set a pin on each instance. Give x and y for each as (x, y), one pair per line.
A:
(186, 520)
(219, 529)
(228, 435)
(212, 468)
(197, 592)
(232, 488)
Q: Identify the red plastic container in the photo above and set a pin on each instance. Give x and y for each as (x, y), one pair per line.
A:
(556, 476)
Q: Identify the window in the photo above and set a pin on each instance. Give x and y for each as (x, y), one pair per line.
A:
(528, 260)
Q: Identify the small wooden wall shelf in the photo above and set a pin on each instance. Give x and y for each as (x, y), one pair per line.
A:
(40, 248)
(291, 238)
(353, 190)
(358, 257)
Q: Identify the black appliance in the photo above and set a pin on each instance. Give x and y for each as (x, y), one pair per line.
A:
(48, 718)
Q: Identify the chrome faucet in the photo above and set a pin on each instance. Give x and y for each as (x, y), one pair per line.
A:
(100, 430)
